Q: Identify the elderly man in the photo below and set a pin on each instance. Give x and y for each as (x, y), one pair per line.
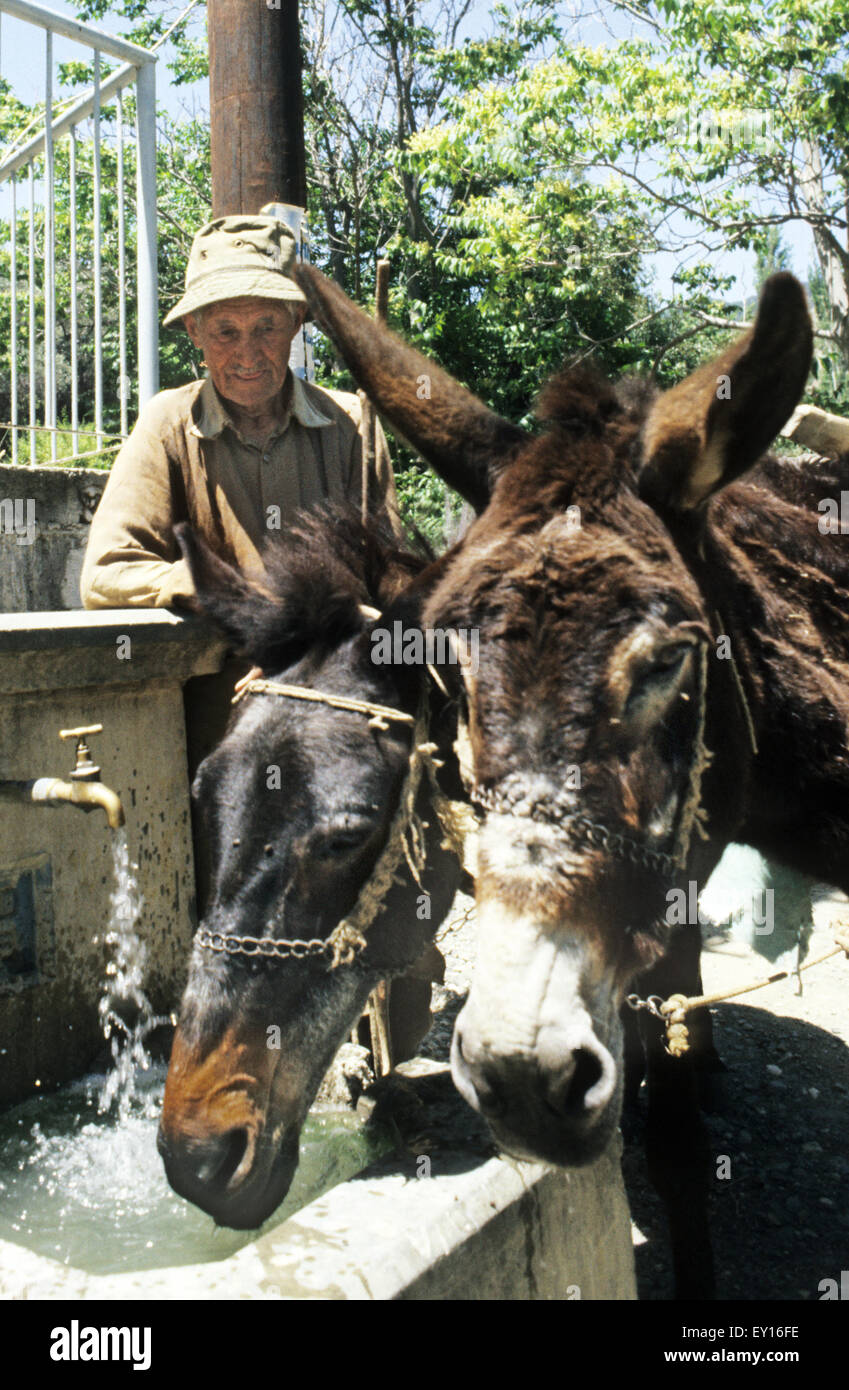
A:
(239, 452)
(235, 454)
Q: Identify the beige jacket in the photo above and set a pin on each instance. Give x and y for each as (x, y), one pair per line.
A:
(186, 461)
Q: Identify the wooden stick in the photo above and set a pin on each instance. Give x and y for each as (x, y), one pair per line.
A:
(818, 430)
(378, 1005)
(381, 292)
(369, 426)
(367, 435)
(381, 1041)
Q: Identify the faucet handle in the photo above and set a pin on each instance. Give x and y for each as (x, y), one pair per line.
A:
(84, 769)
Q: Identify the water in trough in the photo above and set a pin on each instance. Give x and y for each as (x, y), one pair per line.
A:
(80, 1178)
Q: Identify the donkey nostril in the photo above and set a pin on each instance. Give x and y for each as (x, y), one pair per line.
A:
(477, 1081)
(567, 1093)
(221, 1158)
(588, 1071)
(490, 1098)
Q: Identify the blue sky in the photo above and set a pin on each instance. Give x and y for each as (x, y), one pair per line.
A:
(22, 55)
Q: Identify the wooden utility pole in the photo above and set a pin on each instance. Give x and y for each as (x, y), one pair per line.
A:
(256, 105)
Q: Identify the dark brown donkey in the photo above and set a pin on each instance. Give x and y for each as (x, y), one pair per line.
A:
(664, 667)
(309, 806)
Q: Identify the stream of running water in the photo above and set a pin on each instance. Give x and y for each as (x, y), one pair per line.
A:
(126, 1016)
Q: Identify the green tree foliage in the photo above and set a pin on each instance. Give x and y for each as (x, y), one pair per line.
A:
(744, 107)
(504, 260)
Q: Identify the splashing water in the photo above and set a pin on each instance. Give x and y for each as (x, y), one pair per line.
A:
(126, 1016)
(89, 1189)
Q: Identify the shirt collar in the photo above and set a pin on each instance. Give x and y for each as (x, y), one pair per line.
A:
(211, 416)
(305, 410)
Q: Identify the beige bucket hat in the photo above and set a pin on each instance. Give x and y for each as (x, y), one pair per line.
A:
(236, 256)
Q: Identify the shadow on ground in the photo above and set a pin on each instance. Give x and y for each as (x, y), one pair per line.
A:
(780, 1126)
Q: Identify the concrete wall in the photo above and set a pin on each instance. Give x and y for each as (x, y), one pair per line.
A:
(63, 670)
(40, 567)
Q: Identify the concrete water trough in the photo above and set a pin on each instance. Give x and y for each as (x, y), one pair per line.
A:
(471, 1229)
(124, 669)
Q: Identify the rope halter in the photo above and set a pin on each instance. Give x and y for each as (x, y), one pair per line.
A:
(380, 715)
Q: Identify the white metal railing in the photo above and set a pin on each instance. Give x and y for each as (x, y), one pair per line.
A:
(32, 161)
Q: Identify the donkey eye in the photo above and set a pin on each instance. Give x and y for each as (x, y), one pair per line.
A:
(665, 667)
(336, 841)
(670, 657)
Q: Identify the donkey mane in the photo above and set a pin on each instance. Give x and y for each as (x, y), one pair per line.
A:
(330, 558)
(579, 399)
(591, 428)
(586, 458)
(580, 403)
(317, 574)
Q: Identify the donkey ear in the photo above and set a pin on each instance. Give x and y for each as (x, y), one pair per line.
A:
(462, 439)
(235, 605)
(274, 632)
(714, 425)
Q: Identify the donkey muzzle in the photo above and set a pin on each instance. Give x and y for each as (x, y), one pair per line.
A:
(214, 1137)
(537, 1047)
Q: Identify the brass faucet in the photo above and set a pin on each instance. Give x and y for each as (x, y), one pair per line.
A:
(83, 789)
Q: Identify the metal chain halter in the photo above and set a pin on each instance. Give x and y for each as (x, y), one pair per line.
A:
(580, 830)
(260, 947)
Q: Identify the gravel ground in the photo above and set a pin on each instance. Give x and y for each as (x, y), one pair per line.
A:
(781, 1115)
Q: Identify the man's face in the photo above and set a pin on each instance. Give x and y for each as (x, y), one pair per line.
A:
(246, 343)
